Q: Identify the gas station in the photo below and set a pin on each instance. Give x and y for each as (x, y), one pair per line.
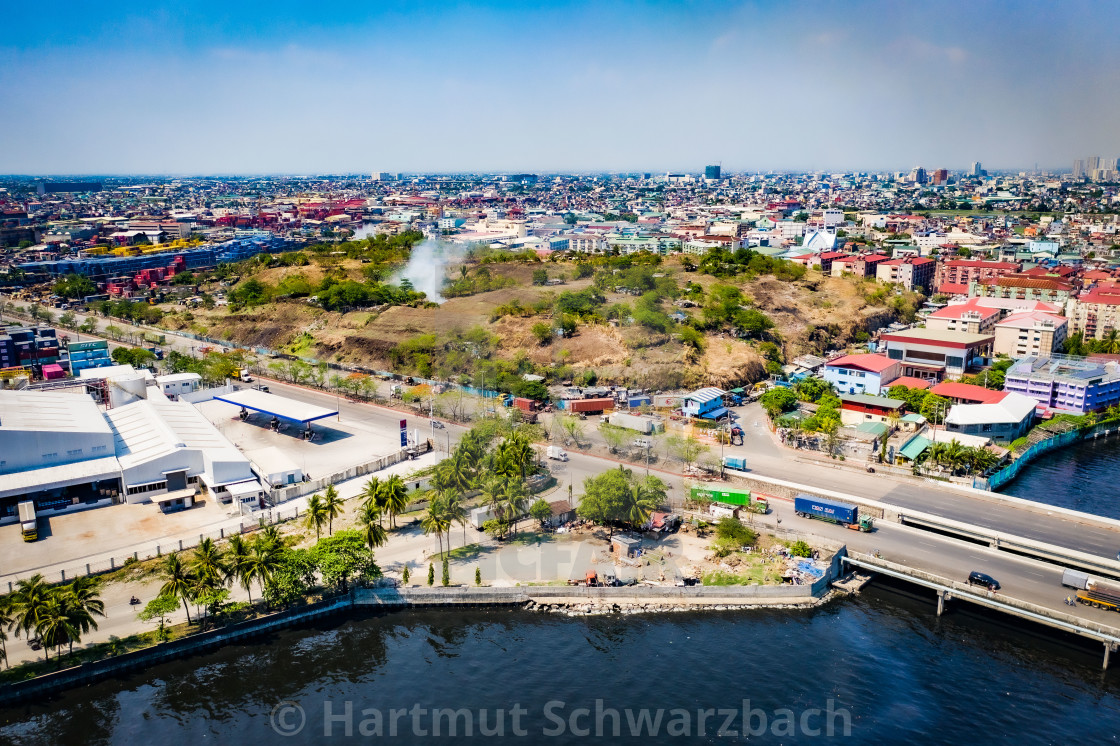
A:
(280, 408)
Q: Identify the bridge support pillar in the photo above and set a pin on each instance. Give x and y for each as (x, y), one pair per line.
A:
(1107, 653)
(941, 602)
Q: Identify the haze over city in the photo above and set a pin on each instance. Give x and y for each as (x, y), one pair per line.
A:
(292, 87)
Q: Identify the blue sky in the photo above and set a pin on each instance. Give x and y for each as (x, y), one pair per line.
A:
(327, 87)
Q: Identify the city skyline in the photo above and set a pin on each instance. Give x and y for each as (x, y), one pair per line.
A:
(189, 88)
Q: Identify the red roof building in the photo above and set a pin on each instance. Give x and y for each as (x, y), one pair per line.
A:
(958, 272)
(967, 393)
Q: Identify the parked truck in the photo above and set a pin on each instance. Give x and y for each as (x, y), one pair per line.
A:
(735, 462)
(590, 406)
(643, 425)
(28, 521)
(833, 511)
(752, 501)
(244, 375)
(556, 453)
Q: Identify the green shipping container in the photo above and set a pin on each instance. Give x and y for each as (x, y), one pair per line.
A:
(728, 497)
(99, 344)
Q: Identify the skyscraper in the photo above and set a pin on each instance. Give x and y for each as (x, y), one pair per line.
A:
(1092, 163)
(1079, 169)
(976, 169)
(712, 172)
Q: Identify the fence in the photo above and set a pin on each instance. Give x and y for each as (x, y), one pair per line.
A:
(284, 494)
(154, 550)
(1009, 472)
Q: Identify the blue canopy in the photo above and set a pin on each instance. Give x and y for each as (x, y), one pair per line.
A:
(715, 414)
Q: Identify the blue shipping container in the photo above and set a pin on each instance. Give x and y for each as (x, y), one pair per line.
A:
(832, 510)
(735, 463)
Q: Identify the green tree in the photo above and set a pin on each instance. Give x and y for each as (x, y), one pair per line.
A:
(332, 506)
(405, 574)
(934, 408)
(778, 400)
(81, 601)
(478, 576)
(159, 608)
(396, 497)
(446, 579)
(686, 449)
(6, 621)
(542, 332)
(369, 519)
(431, 574)
(29, 604)
(239, 561)
(316, 515)
(292, 579)
(180, 582)
(344, 558)
(606, 498)
(541, 511)
(540, 277)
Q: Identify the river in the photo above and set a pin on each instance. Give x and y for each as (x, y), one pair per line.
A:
(1082, 476)
(881, 668)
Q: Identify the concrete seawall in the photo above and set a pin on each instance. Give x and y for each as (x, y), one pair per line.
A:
(574, 599)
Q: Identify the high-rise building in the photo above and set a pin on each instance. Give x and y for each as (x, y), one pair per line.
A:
(1092, 163)
(976, 169)
(712, 172)
(382, 176)
(1079, 169)
(941, 176)
(918, 175)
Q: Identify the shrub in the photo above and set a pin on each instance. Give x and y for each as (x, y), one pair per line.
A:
(800, 549)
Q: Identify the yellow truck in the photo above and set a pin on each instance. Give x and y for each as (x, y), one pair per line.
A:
(28, 521)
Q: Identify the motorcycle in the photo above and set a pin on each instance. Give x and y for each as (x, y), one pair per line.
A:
(134, 601)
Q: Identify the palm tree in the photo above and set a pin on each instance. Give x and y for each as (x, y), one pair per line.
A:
(513, 504)
(81, 601)
(332, 506)
(458, 471)
(640, 502)
(240, 561)
(396, 497)
(374, 495)
(494, 494)
(369, 518)
(316, 515)
(180, 582)
(29, 603)
(209, 564)
(54, 627)
(6, 621)
(435, 521)
(458, 513)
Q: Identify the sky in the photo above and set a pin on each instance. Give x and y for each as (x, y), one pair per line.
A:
(301, 87)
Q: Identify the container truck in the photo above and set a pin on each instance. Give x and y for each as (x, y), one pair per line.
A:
(735, 462)
(643, 425)
(590, 406)
(1100, 599)
(833, 511)
(752, 501)
(525, 405)
(1075, 579)
(556, 453)
(28, 522)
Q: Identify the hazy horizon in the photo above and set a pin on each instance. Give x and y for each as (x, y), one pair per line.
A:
(283, 88)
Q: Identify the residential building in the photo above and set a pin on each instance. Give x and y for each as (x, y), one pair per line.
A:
(970, 317)
(1003, 421)
(909, 272)
(1066, 384)
(861, 374)
(712, 172)
(860, 265)
(706, 403)
(1031, 333)
(937, 354)
(586, 243)
(856, 409)
(956, 275)
(966, 393)
(1095, 313)
(1023, 287)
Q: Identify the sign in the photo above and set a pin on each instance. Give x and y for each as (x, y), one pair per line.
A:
(404, 433)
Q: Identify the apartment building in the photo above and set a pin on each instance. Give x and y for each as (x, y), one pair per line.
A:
(1096, 313)
(971, 317)
(909, 272)
(1030, 333)
(956, 275)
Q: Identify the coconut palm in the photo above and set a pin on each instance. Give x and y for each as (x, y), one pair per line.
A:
(513, 504)
(180, 582)
(640, 502)
(396, 497)
(458, 513)
(6, 621)
(55, 627)
(239, 560)
(436, 521)
(29, 603)
(316, 515)
(81, 602)
(209, 563)
(369, 518)
(374, 496)
(332, 505)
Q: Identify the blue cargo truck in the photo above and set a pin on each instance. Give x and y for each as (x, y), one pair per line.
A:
(833, 511)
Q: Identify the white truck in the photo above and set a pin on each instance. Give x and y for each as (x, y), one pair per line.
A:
(28, 521)
(245, 377)
(556, 453)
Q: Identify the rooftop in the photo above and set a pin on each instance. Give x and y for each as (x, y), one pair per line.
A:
(867, 361)
(867, 400)
(50, 411)
(938, 335)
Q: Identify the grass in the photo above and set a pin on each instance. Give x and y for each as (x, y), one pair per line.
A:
(468, 552)
(754, 570)
(133, 570)
(528, 538)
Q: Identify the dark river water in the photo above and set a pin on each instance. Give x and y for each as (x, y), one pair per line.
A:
(879, 669)
(1084, 476)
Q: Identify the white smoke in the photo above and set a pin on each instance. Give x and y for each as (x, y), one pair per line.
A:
(427, 267)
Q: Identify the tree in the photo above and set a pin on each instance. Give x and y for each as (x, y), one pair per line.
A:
(641, 501)
(74, 286)
(209, 564)
(541, 511)
(812, 389)
(293, 577)
(540, 277)
(543, 332)
(136, 357)
(606, 498)
(239, 562)
(431, 574)
(316, 515)
(405, 575)
(686, 449)
(446, 579)
(81, 603)
(395, 497)
(6, 621)
(778, 400)
(29, 604)
(436, 521)
(180, 582)
(615, 436)
(67, 319)
(478, 575)
(332, 506)
(369, 518)
(54, 626)
(160, 608)
(934, 407)
(344, 558)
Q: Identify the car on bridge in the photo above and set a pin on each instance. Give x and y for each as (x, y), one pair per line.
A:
(979, 578)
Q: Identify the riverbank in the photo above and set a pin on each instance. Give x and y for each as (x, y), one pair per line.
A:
(570, 601)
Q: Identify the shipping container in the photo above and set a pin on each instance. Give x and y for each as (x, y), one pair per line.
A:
(830, 510)
(642, 424)
(590, 406)
(734, 462)
(525, 405)
(1075, 579)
